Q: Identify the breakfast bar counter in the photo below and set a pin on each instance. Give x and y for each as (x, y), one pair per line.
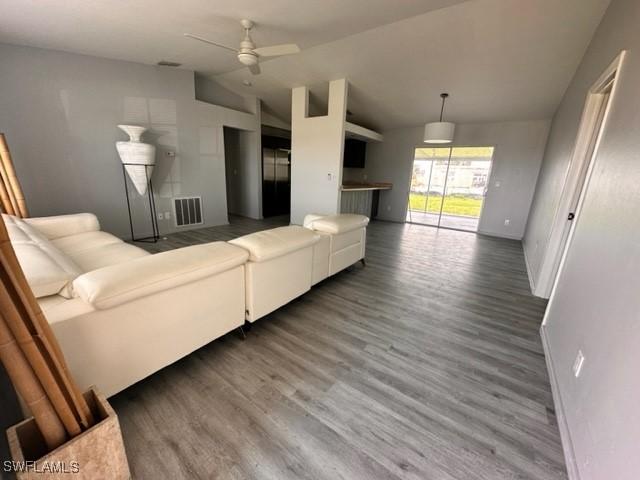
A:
(362, 198)
(361, 186)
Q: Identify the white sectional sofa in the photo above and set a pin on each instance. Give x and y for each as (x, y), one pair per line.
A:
(120, 313)
(279, 267)
(342, 243)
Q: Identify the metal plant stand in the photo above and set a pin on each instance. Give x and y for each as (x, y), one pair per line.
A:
(155, 236)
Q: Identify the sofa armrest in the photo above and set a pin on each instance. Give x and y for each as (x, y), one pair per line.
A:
(310, 218)
(339, 223)
(65, 225)
(117, 284)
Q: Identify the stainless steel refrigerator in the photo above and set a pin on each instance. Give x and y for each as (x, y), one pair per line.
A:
(276, 181)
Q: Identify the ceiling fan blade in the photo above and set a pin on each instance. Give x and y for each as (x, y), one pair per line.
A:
(254, 69)
(196, 37)
(275, 50)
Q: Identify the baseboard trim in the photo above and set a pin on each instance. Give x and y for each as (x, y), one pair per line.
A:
(565, 436)
(499, 235)
(532, 280)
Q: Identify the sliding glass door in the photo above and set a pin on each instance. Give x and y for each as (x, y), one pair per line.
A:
(427, 185)
(448, 186)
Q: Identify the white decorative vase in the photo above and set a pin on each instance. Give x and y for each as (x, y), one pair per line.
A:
(134, 154)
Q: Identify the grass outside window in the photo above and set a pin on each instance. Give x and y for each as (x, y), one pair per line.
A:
(463, 205)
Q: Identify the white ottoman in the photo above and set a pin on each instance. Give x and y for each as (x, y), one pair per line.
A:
(346, 233)
(279, 267)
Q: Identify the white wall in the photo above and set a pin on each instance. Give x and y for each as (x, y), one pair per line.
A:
(210, 91)
(596, 305)
(317, 145)
(271, 120)
(251, 158)
(59, 112)
(519, 147)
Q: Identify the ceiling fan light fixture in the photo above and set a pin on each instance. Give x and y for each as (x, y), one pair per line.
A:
(248, 55)
(439, 132)
(248, 58)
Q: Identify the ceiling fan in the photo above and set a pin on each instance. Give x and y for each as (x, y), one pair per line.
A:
(248, 54)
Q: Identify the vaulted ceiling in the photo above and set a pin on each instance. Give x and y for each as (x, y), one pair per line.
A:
(499, 59)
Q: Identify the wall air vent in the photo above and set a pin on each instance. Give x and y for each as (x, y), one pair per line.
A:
(166, 63)
(187, 211)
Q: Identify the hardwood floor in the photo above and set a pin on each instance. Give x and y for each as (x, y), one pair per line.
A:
(425, 364)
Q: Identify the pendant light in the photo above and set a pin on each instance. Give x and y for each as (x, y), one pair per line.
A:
(439, 132)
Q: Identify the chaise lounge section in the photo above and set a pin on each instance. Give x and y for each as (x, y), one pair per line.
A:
(118, 312)
(121, 314)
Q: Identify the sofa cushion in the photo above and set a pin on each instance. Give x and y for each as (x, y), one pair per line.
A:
(111, 286)
(85, 241)
(110, 254)
(16, 234)
(65, 225)
(341, 223)
(21, 232)
(44, 275)
(93, 250)
(47, 270)
(276, 242)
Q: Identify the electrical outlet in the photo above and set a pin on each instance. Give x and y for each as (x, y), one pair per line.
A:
(388, 208)
(364, 176)
(507, 222)
(171, 154)
(160, 216)
(577, 365)
(498, 183)
(329, 176)
(167, 215)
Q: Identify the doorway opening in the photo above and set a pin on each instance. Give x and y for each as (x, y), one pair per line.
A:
(237, 174)
(448, 186)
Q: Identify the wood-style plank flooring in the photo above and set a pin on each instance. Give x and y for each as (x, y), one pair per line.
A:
(425, 364)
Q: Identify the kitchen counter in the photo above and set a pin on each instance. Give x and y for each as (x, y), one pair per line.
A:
(362, 197)
(363, 186)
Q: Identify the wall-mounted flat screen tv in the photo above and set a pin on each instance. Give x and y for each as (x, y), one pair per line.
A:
(355, 152)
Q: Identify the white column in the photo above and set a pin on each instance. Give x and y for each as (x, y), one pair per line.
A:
(317, 145)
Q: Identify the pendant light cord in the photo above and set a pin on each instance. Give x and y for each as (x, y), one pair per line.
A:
(444, 97)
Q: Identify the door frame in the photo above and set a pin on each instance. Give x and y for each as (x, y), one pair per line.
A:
(451, 147)
(611, 74)
(592, 126)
